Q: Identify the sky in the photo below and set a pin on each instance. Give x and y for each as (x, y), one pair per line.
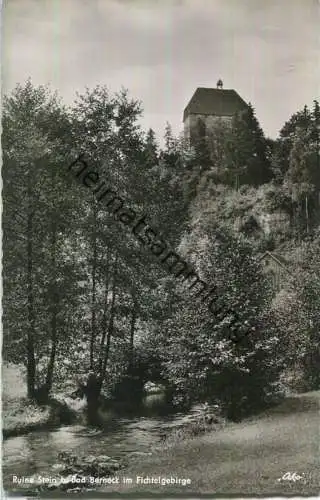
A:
(162, 50)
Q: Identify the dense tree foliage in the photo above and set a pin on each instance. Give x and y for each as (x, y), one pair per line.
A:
(85, 299)
(247, 151)
(38, 281)
(296, 166)
(297, 313)
(203, 361)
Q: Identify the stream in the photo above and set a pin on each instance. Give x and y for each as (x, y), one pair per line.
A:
(37, 452)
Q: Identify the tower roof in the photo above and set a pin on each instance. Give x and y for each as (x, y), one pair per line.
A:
(218, 102)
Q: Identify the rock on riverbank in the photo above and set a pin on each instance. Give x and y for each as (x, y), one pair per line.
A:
(21, 416)
(74, 473)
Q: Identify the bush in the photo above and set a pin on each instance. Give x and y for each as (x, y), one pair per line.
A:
(296, 310)
(201, 360)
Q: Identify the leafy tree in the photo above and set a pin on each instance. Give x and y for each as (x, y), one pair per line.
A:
(247, 150)
(302, 178)
(151, 149)
(301, 120)
(170, 144)
(297, 313)
(118, 271)
(34, 125)
(201, 360)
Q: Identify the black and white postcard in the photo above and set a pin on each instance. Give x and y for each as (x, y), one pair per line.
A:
(161, 248)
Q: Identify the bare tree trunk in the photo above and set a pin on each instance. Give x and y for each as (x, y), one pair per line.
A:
(297, 219)
(132, 331)
(92, 391)
(54, 308)
(300, 219)
(31, 362)
(307, 213)
(105, 314)
(95, 381)
(111, 321)
(237, 182)
(93, 291)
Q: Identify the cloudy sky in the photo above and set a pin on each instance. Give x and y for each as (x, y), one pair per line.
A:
(267, 50)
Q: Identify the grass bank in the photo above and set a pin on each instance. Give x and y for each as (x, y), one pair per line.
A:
(19, 416)
(248, 458)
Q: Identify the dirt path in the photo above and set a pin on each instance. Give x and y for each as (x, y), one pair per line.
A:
(246, 458)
